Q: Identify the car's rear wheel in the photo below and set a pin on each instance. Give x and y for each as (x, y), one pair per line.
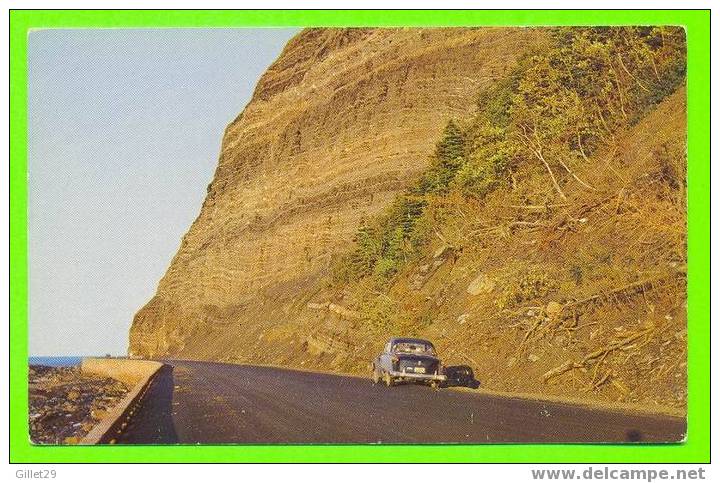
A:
(389, 381)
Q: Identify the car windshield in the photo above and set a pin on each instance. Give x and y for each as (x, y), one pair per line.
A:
(414, 348)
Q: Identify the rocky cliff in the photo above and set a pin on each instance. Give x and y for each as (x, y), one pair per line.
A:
(539, 239)
(343, 120)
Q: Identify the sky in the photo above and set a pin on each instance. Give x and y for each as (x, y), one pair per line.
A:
(124, 135)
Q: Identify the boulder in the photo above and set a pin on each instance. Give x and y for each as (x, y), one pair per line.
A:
(481, 284)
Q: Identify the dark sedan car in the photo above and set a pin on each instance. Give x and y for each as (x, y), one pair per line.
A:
(406, 359)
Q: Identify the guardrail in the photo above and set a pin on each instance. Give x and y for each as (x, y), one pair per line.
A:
(136, 374)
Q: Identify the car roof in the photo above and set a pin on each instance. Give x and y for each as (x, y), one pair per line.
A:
(409, 340)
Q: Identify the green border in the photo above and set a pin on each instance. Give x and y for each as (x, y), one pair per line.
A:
(697, 447)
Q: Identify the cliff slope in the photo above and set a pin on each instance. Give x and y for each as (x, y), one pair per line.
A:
(343, 120)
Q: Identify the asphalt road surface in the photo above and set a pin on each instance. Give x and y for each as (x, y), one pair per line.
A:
(203, 402)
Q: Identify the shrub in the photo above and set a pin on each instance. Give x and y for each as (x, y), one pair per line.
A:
(377, 314)
(533, 285)
(488, 163)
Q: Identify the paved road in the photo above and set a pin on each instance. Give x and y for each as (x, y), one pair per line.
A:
(202, 402)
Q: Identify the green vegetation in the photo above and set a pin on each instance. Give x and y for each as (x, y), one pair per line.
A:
(544, 119)
(384, 244)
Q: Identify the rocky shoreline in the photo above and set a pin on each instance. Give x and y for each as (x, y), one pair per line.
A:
(65, 404)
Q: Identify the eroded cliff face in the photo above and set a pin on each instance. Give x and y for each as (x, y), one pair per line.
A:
(341, 122)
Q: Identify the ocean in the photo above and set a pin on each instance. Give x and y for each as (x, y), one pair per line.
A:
(55, 361)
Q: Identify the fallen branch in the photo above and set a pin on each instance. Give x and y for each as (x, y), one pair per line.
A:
(637, 81)
(561, 369)
(598, 364)
(538, 207)
(531, 330)
(627, 290)
(538, 154)
(602, 380)
(575, 176)
(442, 238)
(526, 223)
(569, 365)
